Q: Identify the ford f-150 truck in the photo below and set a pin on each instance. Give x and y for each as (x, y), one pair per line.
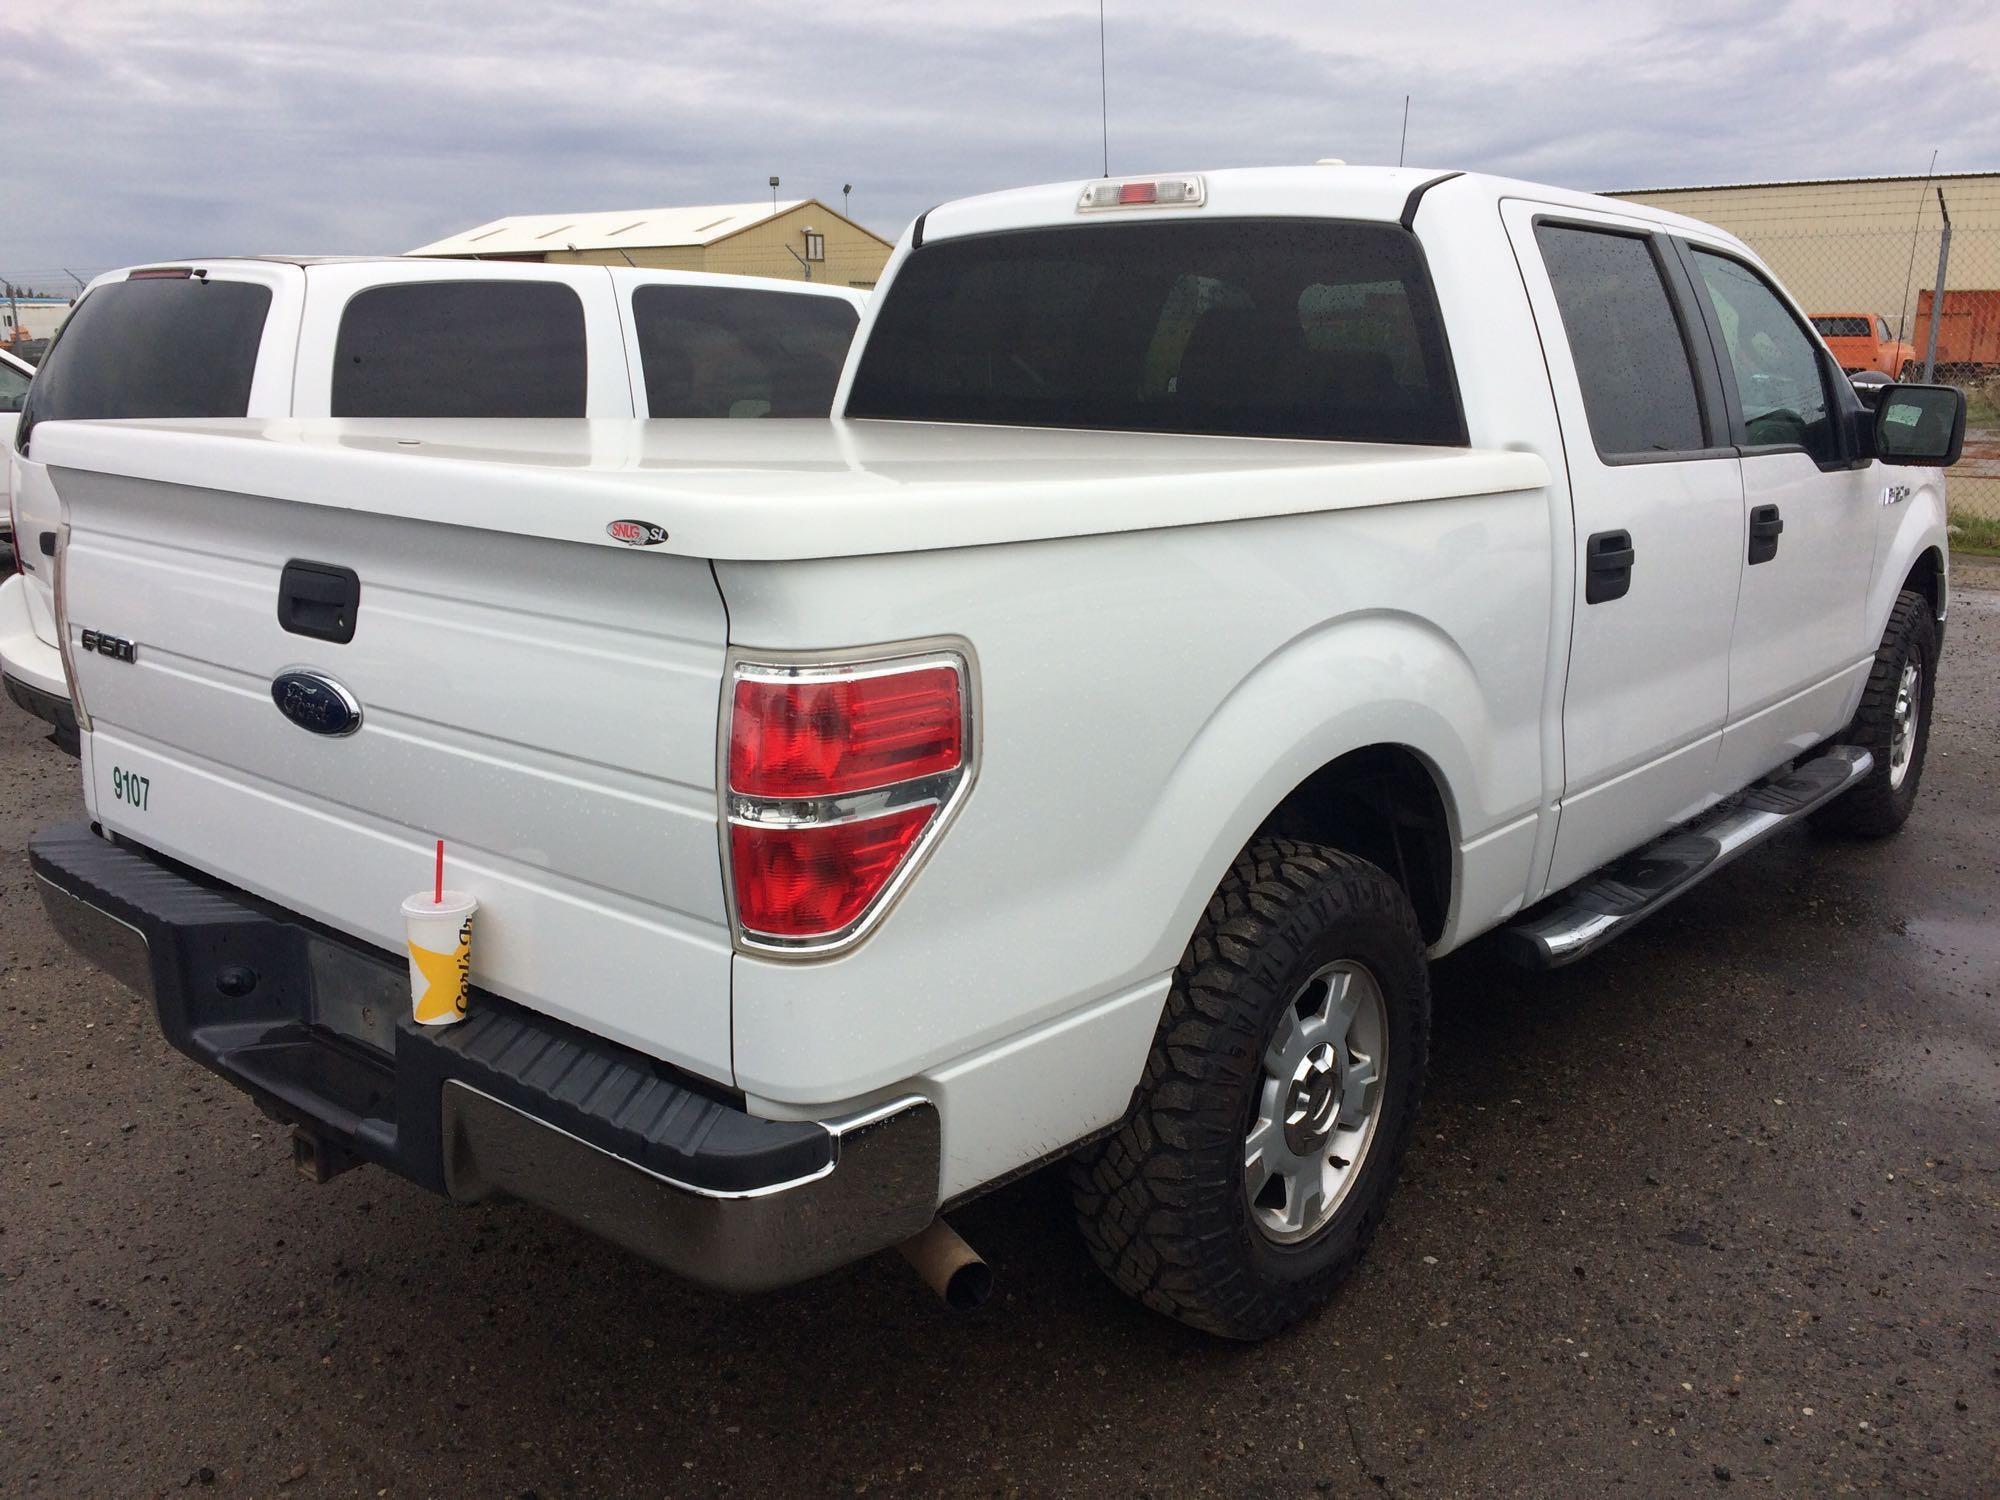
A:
(397, 336)
(1217, 596)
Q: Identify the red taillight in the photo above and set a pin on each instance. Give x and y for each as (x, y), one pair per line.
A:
(805, 882)
(821, 737)
(836, 777)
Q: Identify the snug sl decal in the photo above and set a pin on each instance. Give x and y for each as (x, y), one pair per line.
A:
(636, 533)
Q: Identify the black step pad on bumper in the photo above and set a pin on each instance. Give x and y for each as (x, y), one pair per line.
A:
(232, 980)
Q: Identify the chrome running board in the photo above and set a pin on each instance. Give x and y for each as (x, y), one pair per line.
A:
(1613, 900)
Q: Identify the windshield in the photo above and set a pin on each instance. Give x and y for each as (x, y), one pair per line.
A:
(1300, 328)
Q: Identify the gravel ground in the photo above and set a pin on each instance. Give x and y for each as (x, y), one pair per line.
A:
(1715, 1210)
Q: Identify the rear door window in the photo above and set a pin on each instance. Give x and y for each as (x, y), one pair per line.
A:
(1630, 352)
(1302, 328)
(153, 346)
(720, 352)
(461, 349)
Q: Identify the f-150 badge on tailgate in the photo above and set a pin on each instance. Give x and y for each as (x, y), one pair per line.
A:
(636, 533)
(114, 646)
(315, 702)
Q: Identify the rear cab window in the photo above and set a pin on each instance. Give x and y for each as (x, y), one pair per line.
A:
(1292, 328)
(1831, 327)
(163, 345)
(710, 351)
(461, 349)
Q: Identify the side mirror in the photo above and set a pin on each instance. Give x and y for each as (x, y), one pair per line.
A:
(1920, 424)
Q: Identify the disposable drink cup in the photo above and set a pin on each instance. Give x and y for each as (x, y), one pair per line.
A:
(440, 941)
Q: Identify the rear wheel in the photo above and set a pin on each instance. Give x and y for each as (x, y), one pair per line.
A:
(1893, 723)
(1277, 1101)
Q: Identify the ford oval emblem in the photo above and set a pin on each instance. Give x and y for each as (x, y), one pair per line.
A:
(316, 702)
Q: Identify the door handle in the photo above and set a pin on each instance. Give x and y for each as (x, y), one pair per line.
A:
(1607, 566)
(319, 600)
(1765, 525)
(47, 542)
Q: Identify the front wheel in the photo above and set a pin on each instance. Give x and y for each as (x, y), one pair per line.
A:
(1893, 724)
(1279, 1096)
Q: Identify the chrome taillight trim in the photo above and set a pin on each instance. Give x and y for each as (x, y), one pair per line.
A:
(945, 790)
(60, 587)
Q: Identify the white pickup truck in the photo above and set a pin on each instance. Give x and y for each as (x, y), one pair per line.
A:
(1218, 595)
(396, 336)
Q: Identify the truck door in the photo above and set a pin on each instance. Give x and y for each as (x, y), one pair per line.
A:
(1657, 507)
(1808, 527)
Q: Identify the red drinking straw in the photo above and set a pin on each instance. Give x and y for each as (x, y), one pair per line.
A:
(438, 897)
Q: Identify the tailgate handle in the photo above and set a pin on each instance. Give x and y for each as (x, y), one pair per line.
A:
(319, 600)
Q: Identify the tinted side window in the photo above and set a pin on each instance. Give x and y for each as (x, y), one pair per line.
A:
(13, 388)
(461, 349)
(1779, 382)
(716, 352)
(1631, 358)
(160, 346)
(1306, 328)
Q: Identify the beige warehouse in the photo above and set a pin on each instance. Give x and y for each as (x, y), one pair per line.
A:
(799, 239)
(1856, 244)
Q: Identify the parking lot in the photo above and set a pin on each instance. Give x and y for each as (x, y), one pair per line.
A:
(1717, 1209)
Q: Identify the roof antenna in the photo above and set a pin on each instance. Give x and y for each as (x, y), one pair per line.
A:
(1405, 141)
(1103, 94)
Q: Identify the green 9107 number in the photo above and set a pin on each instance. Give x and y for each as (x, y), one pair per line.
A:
(130, 787)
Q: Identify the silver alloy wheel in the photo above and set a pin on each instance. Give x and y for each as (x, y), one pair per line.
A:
(1319, 1104)
(1903, 728)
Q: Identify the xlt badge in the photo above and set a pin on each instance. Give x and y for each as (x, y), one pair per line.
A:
(114, 646)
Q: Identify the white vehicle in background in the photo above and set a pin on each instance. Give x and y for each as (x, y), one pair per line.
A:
(399, 337)
(15, 373)
(1217, 597)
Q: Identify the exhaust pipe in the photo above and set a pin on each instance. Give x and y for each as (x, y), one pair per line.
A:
(949, 1266)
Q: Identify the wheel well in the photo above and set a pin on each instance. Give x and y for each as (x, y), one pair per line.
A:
(1383, 804)
(1927, 578)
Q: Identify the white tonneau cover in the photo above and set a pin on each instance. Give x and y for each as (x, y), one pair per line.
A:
(777, 489)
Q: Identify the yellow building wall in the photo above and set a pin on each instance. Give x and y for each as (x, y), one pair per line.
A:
(1847, 246)
(854, 257)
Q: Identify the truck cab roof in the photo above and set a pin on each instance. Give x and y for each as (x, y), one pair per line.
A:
(1389, 194)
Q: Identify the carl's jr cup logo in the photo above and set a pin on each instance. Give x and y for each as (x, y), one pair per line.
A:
(439, 929)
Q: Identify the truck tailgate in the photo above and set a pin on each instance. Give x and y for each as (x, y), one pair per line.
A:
(547, 708)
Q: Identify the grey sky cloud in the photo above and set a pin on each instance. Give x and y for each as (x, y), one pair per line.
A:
(140, 129)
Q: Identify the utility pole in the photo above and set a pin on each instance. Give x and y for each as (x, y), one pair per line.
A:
(1405, 141)
(774, 195)
(1937, 290)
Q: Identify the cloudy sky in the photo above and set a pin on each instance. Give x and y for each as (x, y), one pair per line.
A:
(144, 128)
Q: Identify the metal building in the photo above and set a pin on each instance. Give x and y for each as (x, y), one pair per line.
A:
(1858, 244)
(799, 239)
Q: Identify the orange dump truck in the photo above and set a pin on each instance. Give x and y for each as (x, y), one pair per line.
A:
(1968, 341)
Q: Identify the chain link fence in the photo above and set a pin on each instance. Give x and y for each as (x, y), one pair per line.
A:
(1865, 258)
